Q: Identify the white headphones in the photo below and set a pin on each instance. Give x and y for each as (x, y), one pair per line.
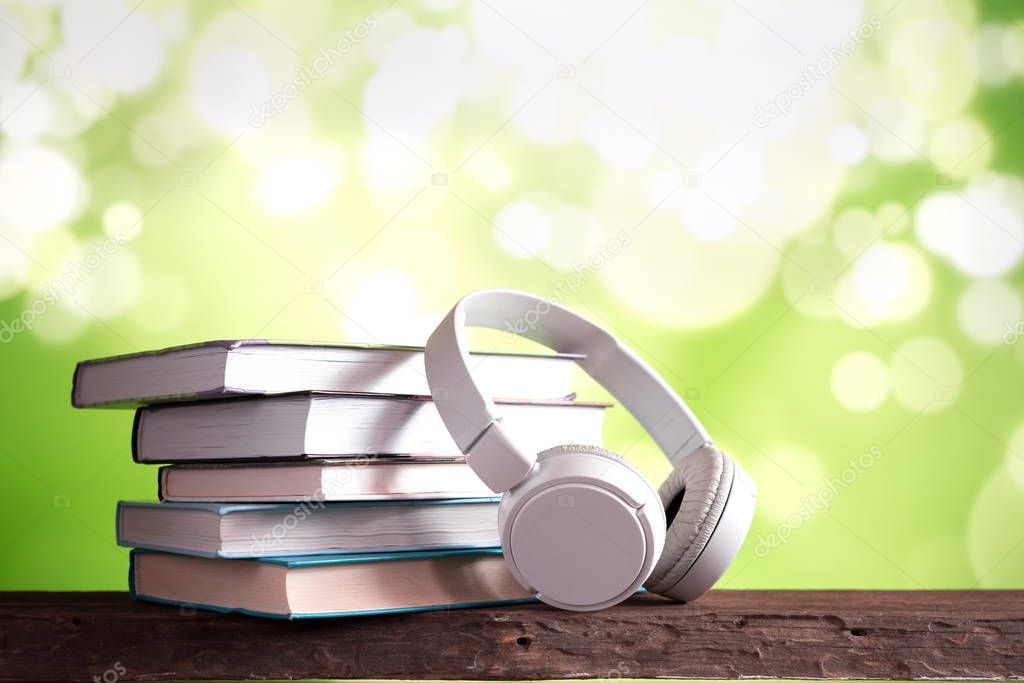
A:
(580, 527)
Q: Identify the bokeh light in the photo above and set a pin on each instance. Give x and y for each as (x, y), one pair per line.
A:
(988, 309)
(979, 229)
(860, 381)
(39, 188)
(888, 282)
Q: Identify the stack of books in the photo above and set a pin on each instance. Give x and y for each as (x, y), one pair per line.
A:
(304, 480)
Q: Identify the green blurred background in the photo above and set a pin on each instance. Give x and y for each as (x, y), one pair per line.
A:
(807, 216)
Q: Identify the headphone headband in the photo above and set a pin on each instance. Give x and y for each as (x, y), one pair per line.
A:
(471, 417)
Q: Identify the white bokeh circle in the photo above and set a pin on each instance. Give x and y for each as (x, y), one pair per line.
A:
(890, 281)
(25, 111)
(228, 110)
(122, 218)
(522, 229)
(980, 228)
(848, 144)
(988, 310)
(384, 309)
(39, 188)
(860, 381)
(300, 180)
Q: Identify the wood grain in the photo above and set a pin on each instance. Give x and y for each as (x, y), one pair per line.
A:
(727, 634)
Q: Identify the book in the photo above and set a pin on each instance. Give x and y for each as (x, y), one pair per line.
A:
(326, 425)
(309, 527)
(327, 586)
(402, 478)
(257, 366)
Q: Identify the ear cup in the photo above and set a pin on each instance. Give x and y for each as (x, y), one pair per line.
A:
(694, 496)
(583, 530)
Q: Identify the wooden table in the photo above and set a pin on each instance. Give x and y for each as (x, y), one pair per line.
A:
(727, 634)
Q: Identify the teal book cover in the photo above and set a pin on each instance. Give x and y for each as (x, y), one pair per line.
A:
(298, 511)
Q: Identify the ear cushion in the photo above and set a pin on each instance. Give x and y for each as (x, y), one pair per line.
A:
(696, 492)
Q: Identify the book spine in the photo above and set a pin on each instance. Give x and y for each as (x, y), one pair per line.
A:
(75, 403)
(161, 478)
(117, 521)
(136, 431)
(131, 575)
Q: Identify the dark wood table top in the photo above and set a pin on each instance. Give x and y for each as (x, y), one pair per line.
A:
(897, 635)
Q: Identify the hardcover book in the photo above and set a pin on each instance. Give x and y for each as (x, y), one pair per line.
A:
(325, 480)
(257, 366)
(327, 586)
(308, 527)
(329, 425)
